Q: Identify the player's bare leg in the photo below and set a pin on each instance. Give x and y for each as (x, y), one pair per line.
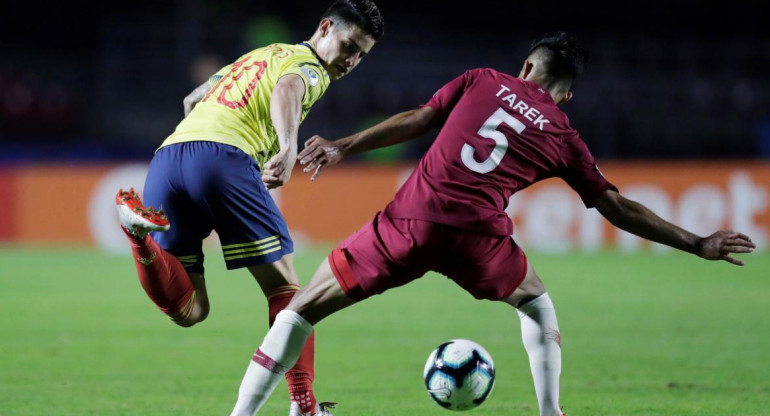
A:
(179, 295)
(285, 341)
(321, 297)
(197, 309)
(542, 340)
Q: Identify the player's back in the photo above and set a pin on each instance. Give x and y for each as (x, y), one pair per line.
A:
(501, 134)
(236, 111)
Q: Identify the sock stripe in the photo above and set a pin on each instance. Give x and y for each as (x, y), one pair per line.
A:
(282, 290)
(268, 363)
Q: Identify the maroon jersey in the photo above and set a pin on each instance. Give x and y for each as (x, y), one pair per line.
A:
(500, 134)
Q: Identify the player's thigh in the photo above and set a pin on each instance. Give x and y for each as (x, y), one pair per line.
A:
(165, 187)
(383, 254)
(487, 267)
(321, 297)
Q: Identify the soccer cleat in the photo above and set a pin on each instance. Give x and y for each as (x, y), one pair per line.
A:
(136, 218)
(321, 409)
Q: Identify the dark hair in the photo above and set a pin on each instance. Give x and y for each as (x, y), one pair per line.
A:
(362, 13)
(562, 56)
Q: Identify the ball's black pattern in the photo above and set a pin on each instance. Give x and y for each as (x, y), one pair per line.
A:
(458, 371)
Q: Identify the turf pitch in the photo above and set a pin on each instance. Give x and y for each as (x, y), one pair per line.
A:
(643, 334)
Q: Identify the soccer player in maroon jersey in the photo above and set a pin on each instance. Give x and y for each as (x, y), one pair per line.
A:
(499, 134)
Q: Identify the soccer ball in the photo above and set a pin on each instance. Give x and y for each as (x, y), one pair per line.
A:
(459, 374)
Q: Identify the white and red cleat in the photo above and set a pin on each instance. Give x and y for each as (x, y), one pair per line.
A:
(321, 409)
(136, 218)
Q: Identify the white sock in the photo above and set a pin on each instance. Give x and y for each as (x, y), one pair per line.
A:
(542, 340)
(279, 352)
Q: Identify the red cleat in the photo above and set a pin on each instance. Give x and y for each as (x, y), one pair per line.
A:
(136, 218)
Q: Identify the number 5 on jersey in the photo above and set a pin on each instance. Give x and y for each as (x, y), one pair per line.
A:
(489, 130)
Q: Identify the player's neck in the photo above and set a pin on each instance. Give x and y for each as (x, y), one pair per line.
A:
(313, 44)
(553, 89)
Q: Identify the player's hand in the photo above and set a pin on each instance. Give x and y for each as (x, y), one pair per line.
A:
(721, 244)
(318, 154)
(277, 170)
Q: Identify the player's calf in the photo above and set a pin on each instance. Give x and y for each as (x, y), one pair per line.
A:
(178, 294)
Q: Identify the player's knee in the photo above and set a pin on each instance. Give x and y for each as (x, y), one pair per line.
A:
(197, 312)
(304, 306)
(184, 323)
(191, 319)
(531, 288)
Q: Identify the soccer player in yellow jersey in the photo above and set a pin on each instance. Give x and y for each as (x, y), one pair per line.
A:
(239, 139)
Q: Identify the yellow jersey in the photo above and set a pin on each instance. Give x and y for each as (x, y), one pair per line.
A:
(236, 111)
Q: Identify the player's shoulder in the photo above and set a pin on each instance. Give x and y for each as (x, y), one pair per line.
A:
(297, 49)
(484, 72)
(572, 144)
(284, 51)
(291, 57)
(298, 55)
(493, 75)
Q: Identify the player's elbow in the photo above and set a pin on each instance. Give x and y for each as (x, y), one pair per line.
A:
(188, 101)
(612, 206)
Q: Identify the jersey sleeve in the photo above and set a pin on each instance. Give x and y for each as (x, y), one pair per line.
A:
(581, 172)
(311, 75)
(444, 100)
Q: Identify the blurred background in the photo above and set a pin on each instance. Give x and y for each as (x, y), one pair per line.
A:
(100, 84)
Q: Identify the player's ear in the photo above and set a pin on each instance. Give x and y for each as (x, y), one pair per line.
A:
(325, 26)
(526, 69)
(567, 97)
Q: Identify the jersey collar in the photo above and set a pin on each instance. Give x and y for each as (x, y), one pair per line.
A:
(307, 45)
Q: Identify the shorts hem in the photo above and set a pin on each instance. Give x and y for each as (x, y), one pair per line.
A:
(256, 260)
(523, 276)
(344, 273)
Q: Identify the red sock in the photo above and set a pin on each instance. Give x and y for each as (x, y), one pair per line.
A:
(300, 377)
(162, 276)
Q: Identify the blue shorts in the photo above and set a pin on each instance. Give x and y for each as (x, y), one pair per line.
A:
(205, 186)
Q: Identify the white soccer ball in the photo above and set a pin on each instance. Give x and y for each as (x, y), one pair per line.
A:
(459, 374)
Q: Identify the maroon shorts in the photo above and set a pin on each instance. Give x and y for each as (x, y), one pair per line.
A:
(391, 252)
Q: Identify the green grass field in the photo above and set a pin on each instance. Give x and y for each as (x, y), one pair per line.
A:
(643, 334)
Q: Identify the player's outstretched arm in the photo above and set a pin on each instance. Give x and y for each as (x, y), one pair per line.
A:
(637, 219)
(194, 97)
(319, 152)
(285, 112)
